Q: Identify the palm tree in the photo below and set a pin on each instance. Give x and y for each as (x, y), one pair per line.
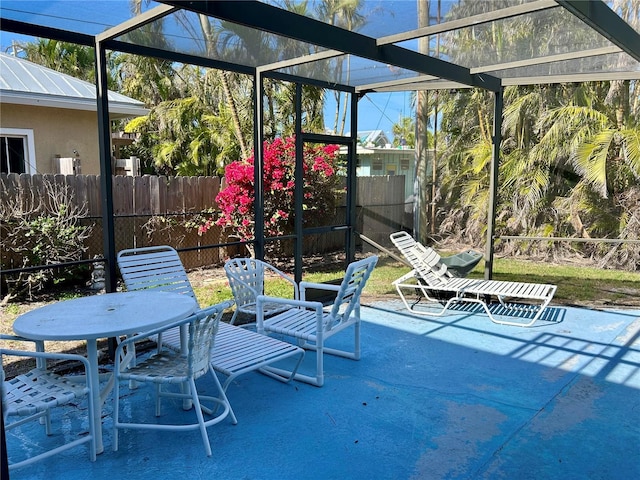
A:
(570, 153)
(344, 14)
(404, 133)
(224, 77)
(70, 58)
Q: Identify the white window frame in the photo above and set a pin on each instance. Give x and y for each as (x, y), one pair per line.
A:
(30, 147)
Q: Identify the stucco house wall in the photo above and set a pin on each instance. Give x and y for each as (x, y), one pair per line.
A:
(44, 114)
(56, 131)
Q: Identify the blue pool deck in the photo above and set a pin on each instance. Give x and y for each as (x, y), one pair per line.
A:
(451, 397)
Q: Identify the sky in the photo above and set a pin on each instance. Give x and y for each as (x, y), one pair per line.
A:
(376, 111)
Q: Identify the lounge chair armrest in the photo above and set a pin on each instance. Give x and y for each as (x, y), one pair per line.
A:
(120, 354)
(15, 338)
(194, 316)
(407, 276)
(39, 346)
(42, 357)
(45, 355)
(218, 306)
(261, 299)
(281, 274)
(319, 286)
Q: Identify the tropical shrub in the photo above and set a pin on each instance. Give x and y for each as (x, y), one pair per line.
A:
(42, 229)
(321, 182)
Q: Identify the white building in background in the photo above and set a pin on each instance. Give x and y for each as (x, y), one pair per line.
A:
(376, 156)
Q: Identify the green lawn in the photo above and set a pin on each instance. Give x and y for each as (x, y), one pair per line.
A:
(580, 286)
(576, 285)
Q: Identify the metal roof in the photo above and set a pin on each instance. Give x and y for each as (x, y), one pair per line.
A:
(25, 83)
(385, 47)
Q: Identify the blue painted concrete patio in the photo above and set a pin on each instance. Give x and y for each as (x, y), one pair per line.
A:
(432, 398)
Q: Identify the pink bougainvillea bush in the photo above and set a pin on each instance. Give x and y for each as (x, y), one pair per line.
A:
(321, 184)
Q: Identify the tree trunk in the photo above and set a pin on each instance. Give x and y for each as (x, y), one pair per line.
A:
(224, 78)
(224, 81)
(423, 174)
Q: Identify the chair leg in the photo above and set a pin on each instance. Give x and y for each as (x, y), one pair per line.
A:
(198, 409)
(234, 316)
(46, 421)
(116, 416)
(223, 397)
(317, 380)
(356, 346)
(158, 394)
(186, 403)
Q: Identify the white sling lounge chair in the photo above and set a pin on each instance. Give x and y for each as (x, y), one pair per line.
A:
(430, 279)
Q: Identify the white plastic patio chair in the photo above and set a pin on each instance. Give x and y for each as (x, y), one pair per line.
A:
(430, 279)
(246, 278)
(238, 350)
(458, 265)
(311, 325)
(32, 395)
(170, 367)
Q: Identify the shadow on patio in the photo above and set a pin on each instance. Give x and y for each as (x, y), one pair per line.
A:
(452, 397)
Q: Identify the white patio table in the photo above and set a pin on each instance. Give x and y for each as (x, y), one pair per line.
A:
(103, 316)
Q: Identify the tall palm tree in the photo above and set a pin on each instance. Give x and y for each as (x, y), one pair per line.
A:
(344, 14)
(70, 58)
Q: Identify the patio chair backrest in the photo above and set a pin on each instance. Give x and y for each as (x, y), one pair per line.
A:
(424, 260)
(246, 279)
(157, 267)
(202, 333)
(348, 296)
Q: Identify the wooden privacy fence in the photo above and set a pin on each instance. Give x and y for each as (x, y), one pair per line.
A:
(148, 210)
(147, 195)
(381, 208)
(153, 210)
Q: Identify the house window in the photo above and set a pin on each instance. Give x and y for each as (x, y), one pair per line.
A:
(17, 151)
(404, 164)
(376, 164)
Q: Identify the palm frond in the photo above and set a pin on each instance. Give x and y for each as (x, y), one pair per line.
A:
(631, 149)
(591, 158)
